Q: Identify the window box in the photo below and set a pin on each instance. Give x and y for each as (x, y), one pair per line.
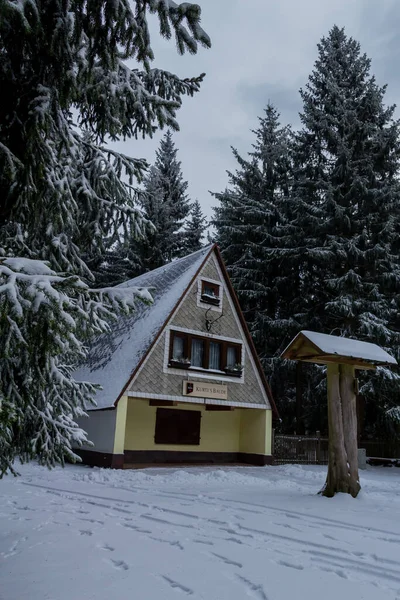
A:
(210, 299)
(234, 371)
(178, 363)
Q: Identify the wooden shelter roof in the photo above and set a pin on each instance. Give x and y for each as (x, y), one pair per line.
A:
(321, 348)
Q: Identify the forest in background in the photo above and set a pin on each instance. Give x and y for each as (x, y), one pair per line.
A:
(308, 224)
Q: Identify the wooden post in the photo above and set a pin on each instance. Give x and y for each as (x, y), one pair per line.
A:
(342, 356)
(342, 475)
(349, 411)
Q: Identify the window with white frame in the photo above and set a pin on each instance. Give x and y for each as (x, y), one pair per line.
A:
(210, 293)
(195, 351)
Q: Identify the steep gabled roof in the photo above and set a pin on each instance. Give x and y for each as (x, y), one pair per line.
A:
(114, 356)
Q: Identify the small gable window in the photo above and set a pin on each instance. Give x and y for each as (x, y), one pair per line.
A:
(210, 293)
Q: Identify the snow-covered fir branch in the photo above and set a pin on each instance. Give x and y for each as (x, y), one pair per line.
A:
(47, 319)
(84, 76)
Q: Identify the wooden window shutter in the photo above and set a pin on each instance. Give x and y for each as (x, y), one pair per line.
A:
(177, 426)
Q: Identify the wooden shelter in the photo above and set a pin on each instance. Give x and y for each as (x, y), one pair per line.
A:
(342, 357)
(321, 348)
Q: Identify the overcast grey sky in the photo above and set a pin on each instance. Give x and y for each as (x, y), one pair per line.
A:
(261, 50)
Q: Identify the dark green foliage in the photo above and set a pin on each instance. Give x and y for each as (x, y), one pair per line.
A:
(116, 265)
(59, 190)
(166, 205)
(194, 229)
(322, 251)
(251, 224)
(66, 88)
(346, 202)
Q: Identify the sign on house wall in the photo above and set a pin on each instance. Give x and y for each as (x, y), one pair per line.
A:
(205, 390)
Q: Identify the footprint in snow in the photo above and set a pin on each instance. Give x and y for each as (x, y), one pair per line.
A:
(169, 542)
(14, 548)
(285, 563)
(227, 561)
(205, 542)
(232, 539)
(329, 537)
(91, 520)
(86, 532)
(119, 564)
(107, 547)
(253, 589)
(340, 572)
(178, 586)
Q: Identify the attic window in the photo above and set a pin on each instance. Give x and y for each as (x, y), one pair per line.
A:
(210, 293)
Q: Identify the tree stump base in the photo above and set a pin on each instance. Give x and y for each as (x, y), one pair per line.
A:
(342, 420)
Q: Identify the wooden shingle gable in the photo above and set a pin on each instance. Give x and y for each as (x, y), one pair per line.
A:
(213, 257)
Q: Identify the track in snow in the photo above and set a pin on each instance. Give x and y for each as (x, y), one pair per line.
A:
(150, 536)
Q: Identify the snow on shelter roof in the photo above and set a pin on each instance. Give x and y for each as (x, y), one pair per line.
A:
(335, 346)
(113, 356)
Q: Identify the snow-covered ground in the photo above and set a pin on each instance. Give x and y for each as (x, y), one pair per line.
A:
(209, 533)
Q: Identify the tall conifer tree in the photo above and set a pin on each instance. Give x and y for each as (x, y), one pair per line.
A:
(166, 204)
(250, 222)
(194, 229)
(62, 194)
(346, 202)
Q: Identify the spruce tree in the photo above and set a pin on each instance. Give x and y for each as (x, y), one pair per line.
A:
(166, 205)
(346, 202)
(118, 261)
(116, 264)
(62, 194)
(194, 229)
(250, 222)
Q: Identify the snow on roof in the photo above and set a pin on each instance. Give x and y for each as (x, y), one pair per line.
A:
(341, 346)
(113, 356)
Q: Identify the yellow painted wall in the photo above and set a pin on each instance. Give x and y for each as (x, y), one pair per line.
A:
(239, 430)
(220, 431)
(256, 431)
(120, 425)
(268, 432)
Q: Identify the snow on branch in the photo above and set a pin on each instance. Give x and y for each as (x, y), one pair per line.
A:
(43, 320)
(83, 78)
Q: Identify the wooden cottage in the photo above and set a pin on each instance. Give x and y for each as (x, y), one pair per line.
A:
(181, 380)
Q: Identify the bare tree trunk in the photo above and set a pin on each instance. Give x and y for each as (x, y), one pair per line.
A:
(337, 479)
(349, 412)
